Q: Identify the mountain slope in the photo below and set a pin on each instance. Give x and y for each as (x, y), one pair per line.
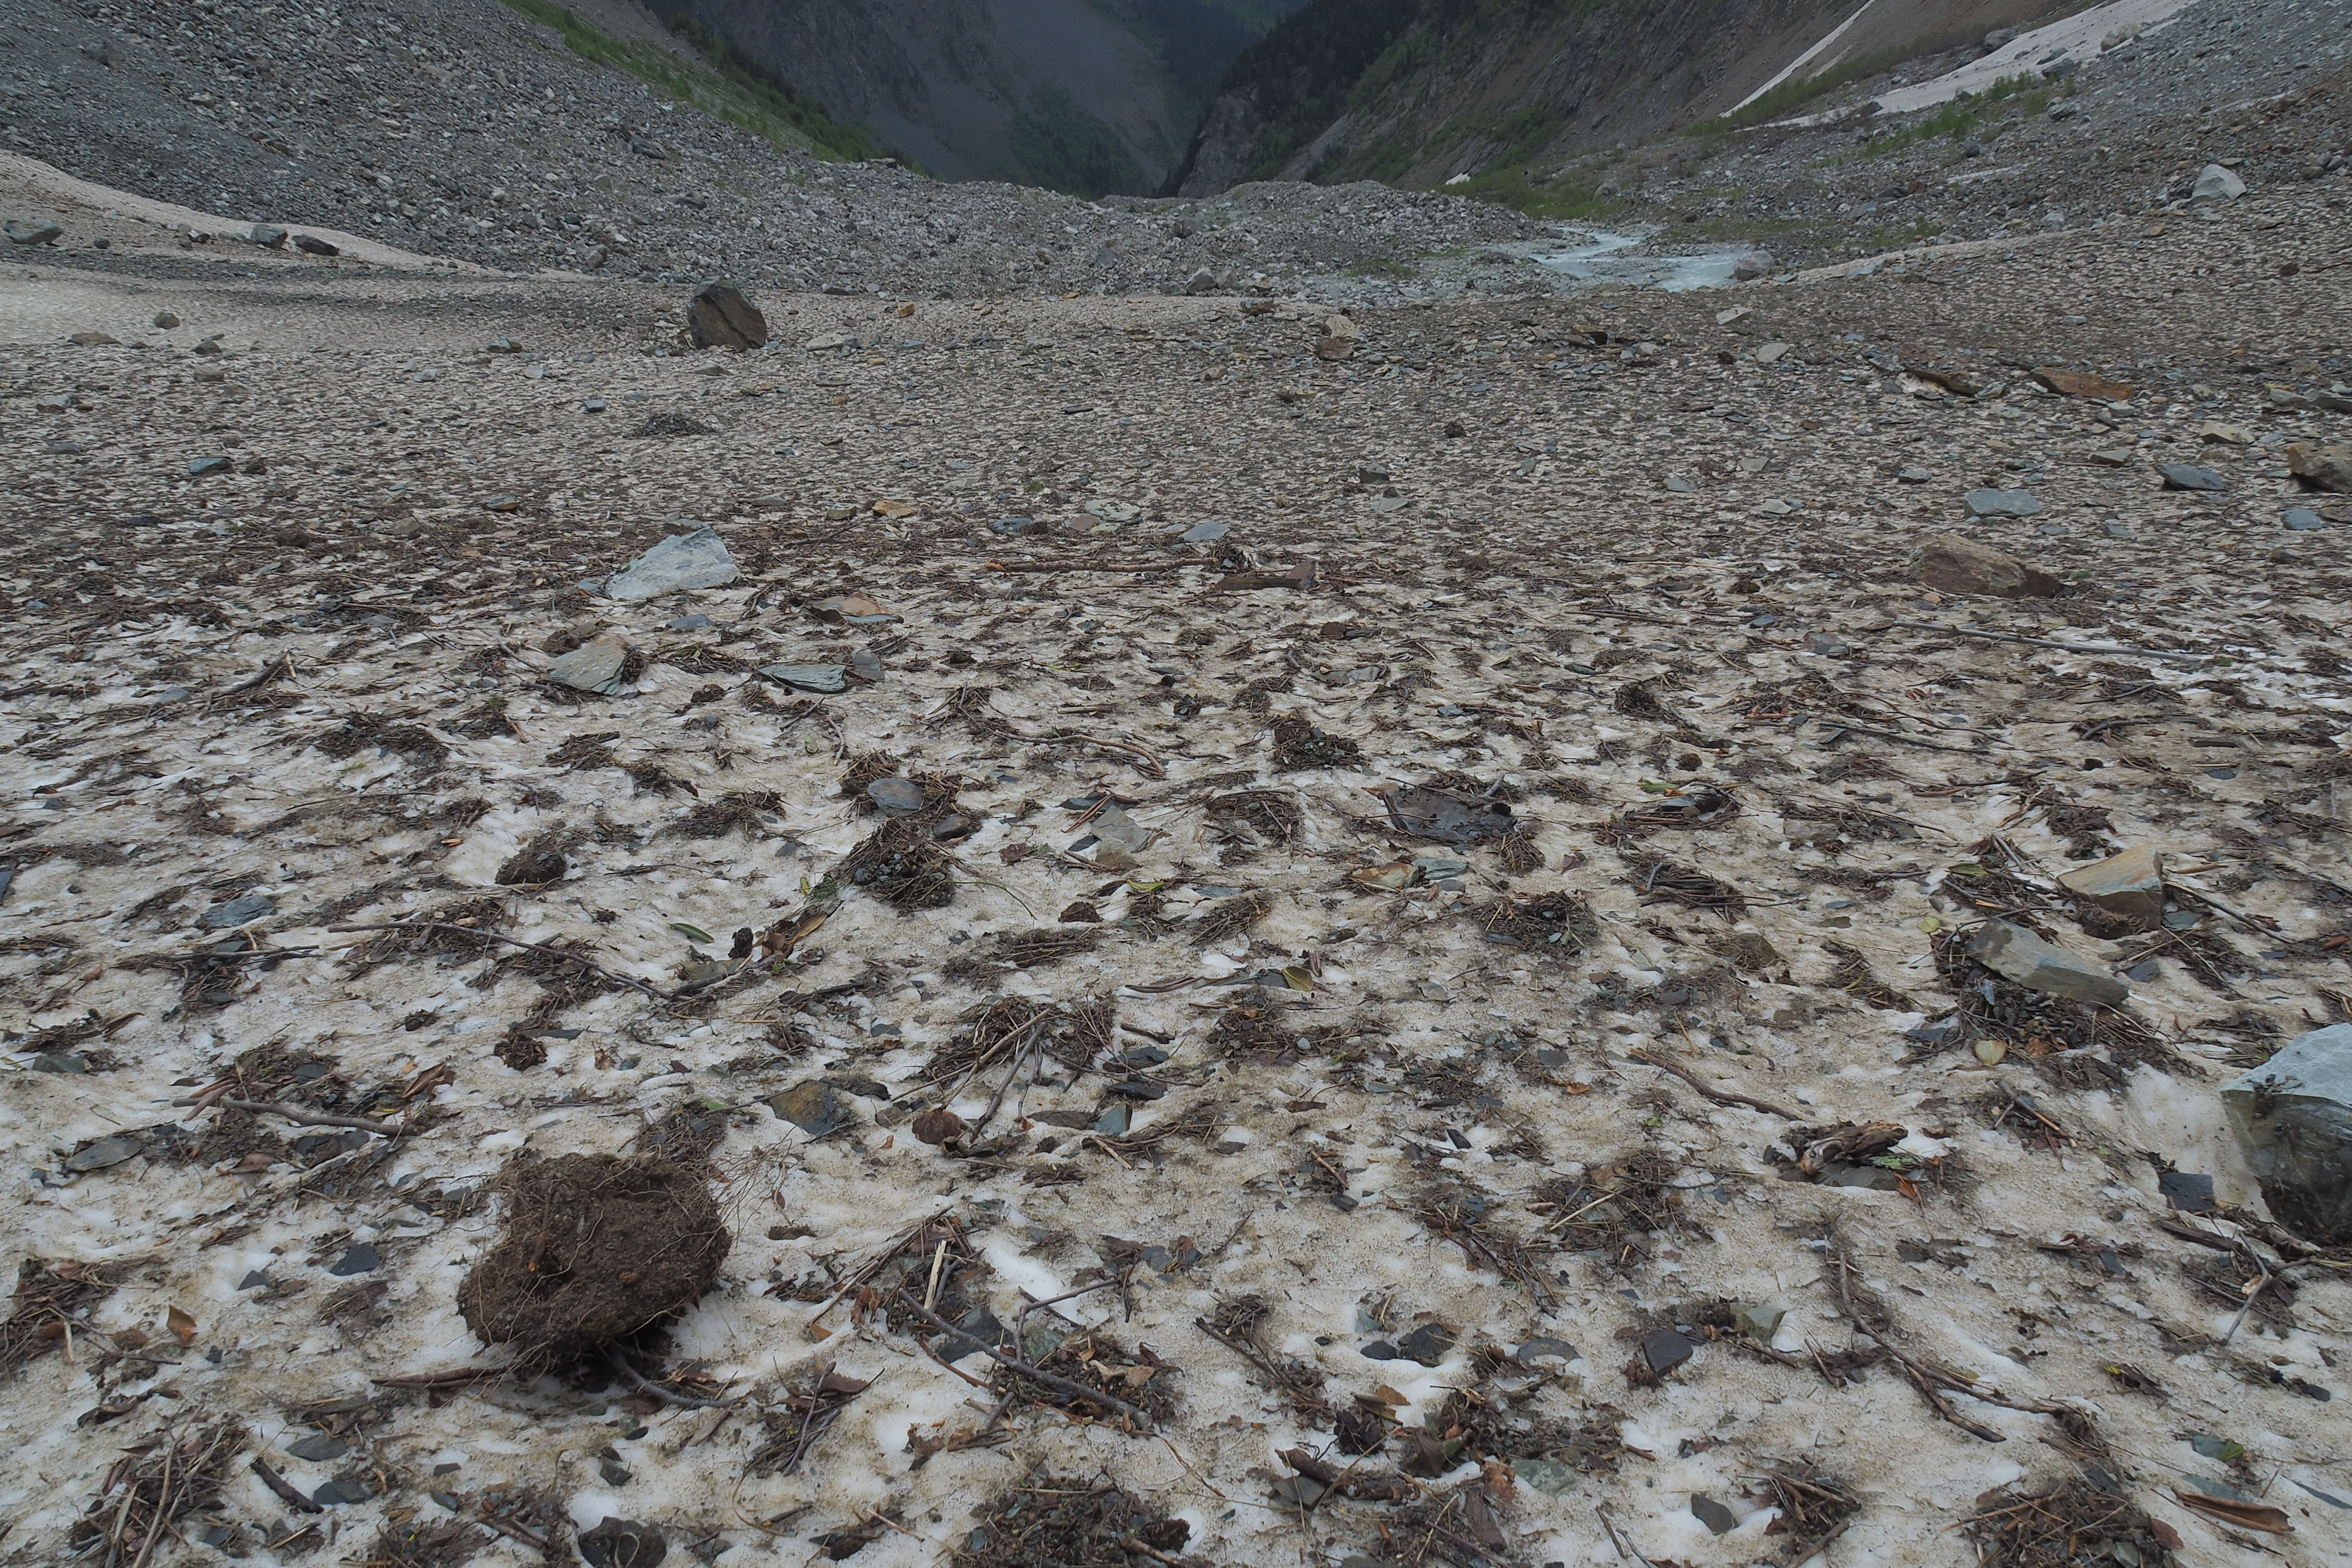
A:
(1417, 91)
(1088, 96)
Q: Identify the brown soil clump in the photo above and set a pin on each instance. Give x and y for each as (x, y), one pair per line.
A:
(597, 1251)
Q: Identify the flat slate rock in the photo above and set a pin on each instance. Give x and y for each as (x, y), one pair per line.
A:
(593, 667)
(695, 560)
(238, 912)
(2003, 504)
(819, 677)
(2190, 476)
(2016, 953)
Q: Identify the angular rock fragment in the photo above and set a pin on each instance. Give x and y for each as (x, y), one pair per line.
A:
(721, 317)
(2216, 184)
(2322, 465)
(2119, 896)
(2018, 954)
(2190, 476)
(1953, 563)
(593, 667)
(2293, 1116)
(695, 560)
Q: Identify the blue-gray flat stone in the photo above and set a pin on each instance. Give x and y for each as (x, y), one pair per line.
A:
(2190, 476)
(104, 1153)
(593, 667)
(2302, 520)
(896, 796)
(695, 560)
(822, 678)
(238, 912)
(2003, 504)
(358, 1258)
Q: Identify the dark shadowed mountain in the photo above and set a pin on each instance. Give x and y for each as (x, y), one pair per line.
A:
(1088, 96)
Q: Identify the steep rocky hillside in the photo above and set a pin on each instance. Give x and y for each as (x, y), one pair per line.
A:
(1423, 91)
(1087, 96)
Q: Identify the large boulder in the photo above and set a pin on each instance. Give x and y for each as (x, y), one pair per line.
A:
(2293, 1116)
(1952, 564)
(721, 317)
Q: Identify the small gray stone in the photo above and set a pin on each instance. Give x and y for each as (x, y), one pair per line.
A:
(59, 1061)
(1542, 1349)
(39, 231)
(1914, 476)
(1758, 1323)
(819, 677)
(594, 667)
(2293, 1116)
(1202, 532)
(238, 912)
(866, 664)
(2190, 476)
(358, 1258)
(1663, 1350)
(318, 1447)
(257, 1280)
(2018, 954)
(1428, 1344)
(1719, 1519)
(2120, 530)
(2003, 504)
(1753, 264)
(695, 560)
(2302, 520)
(199, 467)
(2216, 184)
(311, 245)
(166, 320)
(104, 1153)
(688, 624)
(269, 236)
(895, 797)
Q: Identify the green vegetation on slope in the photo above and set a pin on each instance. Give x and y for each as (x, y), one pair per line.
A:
(727, 87)
(1058, 145)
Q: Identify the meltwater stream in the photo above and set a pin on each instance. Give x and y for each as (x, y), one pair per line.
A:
(1606, 258)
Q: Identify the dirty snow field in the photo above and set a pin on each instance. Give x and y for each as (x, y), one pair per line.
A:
(1394, 943)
